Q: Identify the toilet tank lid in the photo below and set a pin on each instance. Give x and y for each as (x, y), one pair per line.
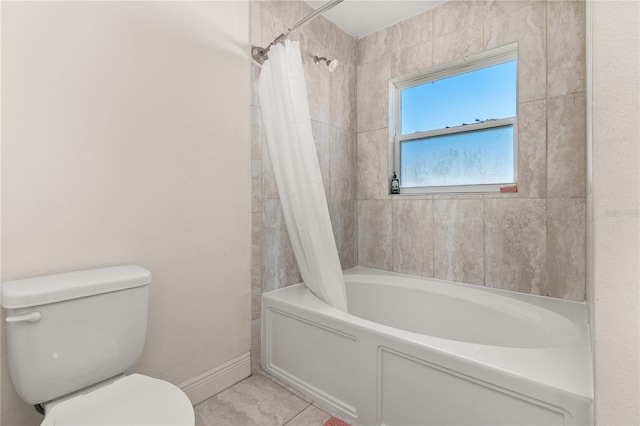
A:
(38, 291)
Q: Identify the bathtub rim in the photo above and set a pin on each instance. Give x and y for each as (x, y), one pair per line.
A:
(362, 270)
(537, 312)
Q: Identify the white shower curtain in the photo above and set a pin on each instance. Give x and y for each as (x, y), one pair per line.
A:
(287, 125)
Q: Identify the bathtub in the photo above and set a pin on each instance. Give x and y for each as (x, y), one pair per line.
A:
(420, 351)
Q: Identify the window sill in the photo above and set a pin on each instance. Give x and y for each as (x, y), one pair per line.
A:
(447, 193)
(462, 189)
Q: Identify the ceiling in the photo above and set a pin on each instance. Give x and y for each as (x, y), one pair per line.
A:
(363, 17)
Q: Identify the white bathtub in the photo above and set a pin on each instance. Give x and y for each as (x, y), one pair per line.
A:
(419, 351)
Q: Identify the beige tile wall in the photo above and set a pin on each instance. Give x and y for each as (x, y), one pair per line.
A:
(532, 241)
(332, 101)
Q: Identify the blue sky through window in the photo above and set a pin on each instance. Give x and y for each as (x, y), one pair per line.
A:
(487, 93)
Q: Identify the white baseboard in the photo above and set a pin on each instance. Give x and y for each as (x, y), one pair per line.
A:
(211, 382)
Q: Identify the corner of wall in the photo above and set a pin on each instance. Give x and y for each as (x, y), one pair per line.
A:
(589, 221)
(217, 379)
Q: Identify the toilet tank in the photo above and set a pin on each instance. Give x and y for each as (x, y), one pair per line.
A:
(69, 331)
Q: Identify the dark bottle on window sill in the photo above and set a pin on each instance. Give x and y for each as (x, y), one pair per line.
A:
(395, 184)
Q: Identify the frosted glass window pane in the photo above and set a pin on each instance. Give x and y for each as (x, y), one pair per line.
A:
(469, 158)
(484, 94)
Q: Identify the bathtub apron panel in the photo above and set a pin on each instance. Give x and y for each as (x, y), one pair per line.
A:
(374, 373)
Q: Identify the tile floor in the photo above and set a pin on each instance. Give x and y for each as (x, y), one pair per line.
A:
(258, 400)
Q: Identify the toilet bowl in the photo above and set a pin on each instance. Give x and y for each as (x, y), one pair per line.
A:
(71, 338)
(130, 400)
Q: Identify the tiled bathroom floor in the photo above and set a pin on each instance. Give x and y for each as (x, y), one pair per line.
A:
(257, 400)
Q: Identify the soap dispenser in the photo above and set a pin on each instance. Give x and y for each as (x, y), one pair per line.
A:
(395, 184)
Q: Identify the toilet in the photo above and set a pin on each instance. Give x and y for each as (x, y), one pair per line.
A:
(72, 342)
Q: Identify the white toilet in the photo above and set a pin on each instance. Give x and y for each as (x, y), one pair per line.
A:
(73, 338)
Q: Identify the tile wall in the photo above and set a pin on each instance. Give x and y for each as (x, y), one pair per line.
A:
(532, 241)
(332, 100)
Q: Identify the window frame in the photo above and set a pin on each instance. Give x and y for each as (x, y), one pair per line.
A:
(466, 64)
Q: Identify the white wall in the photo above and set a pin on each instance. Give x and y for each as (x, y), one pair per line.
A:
(126, 139)
(613, 291)
(1, 328)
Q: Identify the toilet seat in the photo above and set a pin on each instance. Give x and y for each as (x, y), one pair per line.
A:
(132, 400)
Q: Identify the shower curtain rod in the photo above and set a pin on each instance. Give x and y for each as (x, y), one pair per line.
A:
(260, 55)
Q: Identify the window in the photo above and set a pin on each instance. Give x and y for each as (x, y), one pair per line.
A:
(455, 126)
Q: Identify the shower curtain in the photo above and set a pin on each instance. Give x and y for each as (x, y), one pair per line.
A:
(287, 125)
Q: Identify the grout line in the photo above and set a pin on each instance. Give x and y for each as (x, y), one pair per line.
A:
(433, 238)
(484, 243)
(546, 154)
(297, 414)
